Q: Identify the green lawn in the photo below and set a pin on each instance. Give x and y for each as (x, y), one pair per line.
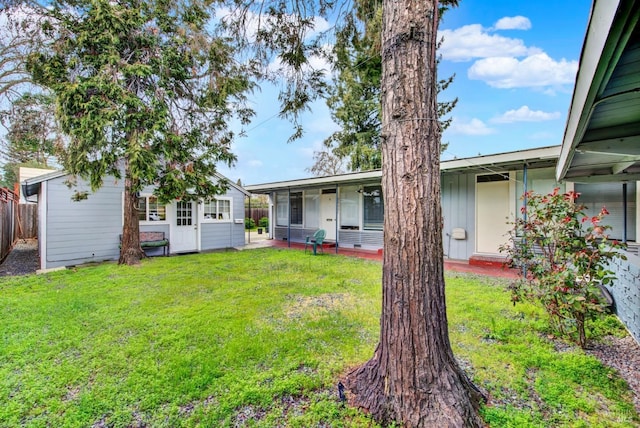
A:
(260, 338)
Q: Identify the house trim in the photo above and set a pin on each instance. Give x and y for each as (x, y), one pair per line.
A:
(42, 223)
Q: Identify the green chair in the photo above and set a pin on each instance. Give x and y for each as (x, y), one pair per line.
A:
(316, 241)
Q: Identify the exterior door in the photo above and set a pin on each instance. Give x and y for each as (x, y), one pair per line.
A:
(184, 228)
(493, 215)
(328, 215)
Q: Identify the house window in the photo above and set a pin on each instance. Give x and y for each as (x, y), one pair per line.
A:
(312, 209)
(217, 209)
(295, 201)
(594, 196)
(349, 208)
(373, 207)
(282, 209)
(149, 209)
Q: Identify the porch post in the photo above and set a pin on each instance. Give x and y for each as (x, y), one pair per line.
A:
(524, 204)
(624, 212)
(336, 222)
(289, 219)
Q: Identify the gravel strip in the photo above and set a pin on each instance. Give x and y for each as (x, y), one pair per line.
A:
(622, 354)
(22, 260)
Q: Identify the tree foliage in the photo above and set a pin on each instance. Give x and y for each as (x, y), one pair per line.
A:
(20, 36)
(354, 97)
(326, 163)
(31, 125)
(30, 138)
(564, 256)
(144, 92)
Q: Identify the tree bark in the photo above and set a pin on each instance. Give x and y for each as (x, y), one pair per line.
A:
(130, 251)
(413, 377)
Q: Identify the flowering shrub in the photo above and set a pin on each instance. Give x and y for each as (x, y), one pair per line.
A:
(563, 255)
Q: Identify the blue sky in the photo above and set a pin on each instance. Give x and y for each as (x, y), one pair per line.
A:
(515, 63)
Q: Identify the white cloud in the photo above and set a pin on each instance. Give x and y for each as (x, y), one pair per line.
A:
(474, 41)
(538, 70)
(255, 163)
(525, 114)
(319, 25)
(473, 127)
(513, 23)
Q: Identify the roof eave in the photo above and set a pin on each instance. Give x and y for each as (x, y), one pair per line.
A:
(601, 41)
(528, 156)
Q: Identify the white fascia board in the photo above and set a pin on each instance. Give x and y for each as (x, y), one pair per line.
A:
(316, 181)
(448, 165)
(523, 156)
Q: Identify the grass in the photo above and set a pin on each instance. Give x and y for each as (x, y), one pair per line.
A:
(260, 338)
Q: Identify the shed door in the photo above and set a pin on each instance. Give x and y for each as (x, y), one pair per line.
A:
(492, 214)
(184, 228)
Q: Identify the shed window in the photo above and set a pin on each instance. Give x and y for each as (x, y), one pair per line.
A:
(218, 209)
(373, 208)
(149, 209)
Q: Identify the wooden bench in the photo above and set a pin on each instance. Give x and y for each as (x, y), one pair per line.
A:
(153, 240)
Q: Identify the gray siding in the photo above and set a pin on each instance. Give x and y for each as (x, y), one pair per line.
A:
(626, 293)
(89, 230)
(458, 211)
(84, 231)
(298, 234)
(367, 239)
(216, 235)
(225, 235)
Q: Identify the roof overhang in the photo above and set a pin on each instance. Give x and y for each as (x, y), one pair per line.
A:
(31, 186)
(602, 136)
(545, 157)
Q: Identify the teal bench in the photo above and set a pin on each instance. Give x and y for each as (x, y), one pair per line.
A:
(153, 240)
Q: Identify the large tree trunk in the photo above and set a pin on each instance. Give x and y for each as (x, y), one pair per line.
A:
(130, 251)
(413, 376)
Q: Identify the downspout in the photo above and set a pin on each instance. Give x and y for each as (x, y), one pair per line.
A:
(250, 216)
(624, 212)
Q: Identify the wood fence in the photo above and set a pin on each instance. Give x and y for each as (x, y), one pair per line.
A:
(28, 221)
(256, 213)
(8, 220)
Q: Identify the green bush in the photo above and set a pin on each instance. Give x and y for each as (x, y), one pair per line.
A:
(249, 223)
(263, 222)
(563, 255)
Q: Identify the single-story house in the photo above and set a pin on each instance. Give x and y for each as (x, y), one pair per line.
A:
(602, 138)
(72, 233)
(481, 196)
